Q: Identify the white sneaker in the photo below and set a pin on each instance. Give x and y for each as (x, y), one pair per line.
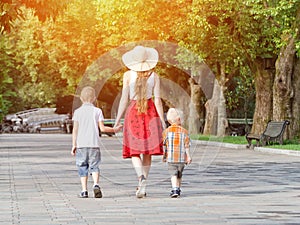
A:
(141, 190)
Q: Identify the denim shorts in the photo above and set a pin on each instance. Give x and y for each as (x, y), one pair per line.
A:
(87, 160)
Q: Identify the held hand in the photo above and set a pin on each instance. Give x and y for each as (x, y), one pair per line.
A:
(117, 128)
(73, 151)
(116, 125)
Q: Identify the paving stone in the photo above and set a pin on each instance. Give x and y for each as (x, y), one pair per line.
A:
(225, 184)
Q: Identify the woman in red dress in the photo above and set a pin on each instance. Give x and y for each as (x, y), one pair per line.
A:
(144, 120)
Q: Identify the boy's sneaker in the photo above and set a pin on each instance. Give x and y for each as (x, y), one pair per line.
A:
(97, 191)
(141, 190)
(83, 194)
(175, 193)
(178, 191)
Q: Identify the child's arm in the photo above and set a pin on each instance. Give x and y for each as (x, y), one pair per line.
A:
(187, 150)
(104, 128)
(157, 101)
(74, 137)
(188, 155)
(165, 154)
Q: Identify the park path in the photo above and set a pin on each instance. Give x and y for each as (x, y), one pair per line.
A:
(223, 185)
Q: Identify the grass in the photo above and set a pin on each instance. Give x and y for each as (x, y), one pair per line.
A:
(241, 140)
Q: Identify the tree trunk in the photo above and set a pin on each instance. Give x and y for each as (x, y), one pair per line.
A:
(283, 90)
(294, 127)
(263, 102)
(211, 118)
(216, 119)
(222, 114)
(287, 85)
(194, 112)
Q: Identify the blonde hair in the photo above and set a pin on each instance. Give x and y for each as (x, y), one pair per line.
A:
(175, 116)
(88, 94)
(141, 91)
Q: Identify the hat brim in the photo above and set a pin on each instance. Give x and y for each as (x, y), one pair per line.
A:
(148, 64)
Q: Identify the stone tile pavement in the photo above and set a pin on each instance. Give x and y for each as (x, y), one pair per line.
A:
(223, 185)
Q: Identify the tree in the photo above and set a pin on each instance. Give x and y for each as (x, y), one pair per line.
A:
(6, 81)
(36, 82)
(210, 32)
(10, 10)
(23, 57)
(234, 34)
(281, 15)
(286, 96)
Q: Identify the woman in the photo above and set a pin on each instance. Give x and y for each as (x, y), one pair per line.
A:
(144, 120)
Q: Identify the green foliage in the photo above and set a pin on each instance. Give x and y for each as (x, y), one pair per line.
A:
(240, 94)
(30, 68)
(7, 92)
(52, 43)
(8, 12)
(11, 10)
(225, 139)
(72, 41)
(46, 8)
(241, 140)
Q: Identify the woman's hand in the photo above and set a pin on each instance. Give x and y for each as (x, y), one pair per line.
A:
(117, 127)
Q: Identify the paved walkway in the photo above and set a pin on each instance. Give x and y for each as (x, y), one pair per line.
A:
(224, 185)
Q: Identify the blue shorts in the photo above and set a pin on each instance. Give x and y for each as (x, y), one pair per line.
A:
(87, 160)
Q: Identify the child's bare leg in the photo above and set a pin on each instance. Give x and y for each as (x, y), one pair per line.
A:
(95, 176)
(84, 183)
(179, 182)
(96, 187)
(174, 182)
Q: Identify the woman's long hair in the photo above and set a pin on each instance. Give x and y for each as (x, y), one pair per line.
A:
(141, 91)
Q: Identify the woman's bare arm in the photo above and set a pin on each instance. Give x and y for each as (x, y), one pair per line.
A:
(157, 100)
(124, 97)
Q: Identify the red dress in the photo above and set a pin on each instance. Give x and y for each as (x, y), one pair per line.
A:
(142, 132)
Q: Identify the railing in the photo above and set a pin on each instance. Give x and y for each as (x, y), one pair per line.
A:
(240, 121)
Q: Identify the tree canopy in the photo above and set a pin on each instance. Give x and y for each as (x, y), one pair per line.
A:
(46, 46)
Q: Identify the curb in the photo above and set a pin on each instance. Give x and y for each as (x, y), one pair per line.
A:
(258, 149)
(277, 151)
(219, 144)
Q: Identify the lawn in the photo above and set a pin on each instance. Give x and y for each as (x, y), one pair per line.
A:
(241, 140)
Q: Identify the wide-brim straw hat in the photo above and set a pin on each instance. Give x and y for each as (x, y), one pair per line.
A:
(140, 58)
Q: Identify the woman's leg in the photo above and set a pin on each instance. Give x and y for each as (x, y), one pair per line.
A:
(141, 166)
(146, 164)
(138, 165)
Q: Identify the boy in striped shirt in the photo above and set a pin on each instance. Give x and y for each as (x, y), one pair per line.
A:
(176, 149)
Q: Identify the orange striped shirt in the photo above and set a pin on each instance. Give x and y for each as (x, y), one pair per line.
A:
(176, 140)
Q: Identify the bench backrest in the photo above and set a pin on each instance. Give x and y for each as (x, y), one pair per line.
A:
(275, 129)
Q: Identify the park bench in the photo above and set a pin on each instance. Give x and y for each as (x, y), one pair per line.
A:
(55, 125)
(273, 133)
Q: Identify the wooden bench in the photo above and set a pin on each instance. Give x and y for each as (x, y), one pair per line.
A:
(273, 133)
